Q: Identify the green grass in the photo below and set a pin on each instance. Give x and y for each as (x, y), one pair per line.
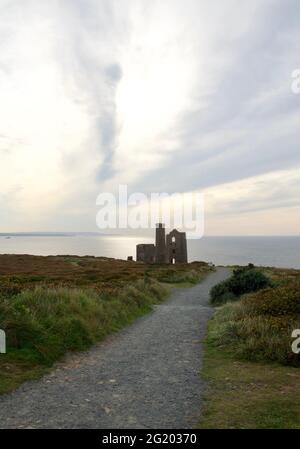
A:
(70, 313)
(260, 325)
(43, 324)
(253, 376)
(182, 278)
(247, 395)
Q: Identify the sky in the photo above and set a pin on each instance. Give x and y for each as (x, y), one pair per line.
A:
(163, 96)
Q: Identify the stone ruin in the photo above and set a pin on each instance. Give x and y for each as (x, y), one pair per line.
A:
(170, 248)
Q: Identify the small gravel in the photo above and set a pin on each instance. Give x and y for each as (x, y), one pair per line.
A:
(146, 376)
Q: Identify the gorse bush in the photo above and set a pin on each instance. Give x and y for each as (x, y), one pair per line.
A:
(244, 280)
(277, 302)
(259, 327)
(42, 324)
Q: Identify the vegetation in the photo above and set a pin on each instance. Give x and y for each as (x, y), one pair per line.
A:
(247, 395)
(191, 277)
(244, 280)
(253, 377)
(106, 276)
(259, 327)
(51, 305)
(42, 324)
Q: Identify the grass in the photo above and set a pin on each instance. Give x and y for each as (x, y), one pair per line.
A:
(51, 305)
(43, 324)
(248, 342)
(254, 336)
(248, 395)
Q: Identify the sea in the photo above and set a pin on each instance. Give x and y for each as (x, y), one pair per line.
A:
(265, 251)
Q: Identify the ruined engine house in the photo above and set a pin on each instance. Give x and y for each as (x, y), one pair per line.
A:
(170, 248)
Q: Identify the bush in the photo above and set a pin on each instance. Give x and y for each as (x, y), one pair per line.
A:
(244, 280)
(259, 327)
(277, 302)
(220, 293)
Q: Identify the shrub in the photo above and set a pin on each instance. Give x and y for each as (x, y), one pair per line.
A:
(259, 327)
(244, 280)
(220, 293)
(280, 301)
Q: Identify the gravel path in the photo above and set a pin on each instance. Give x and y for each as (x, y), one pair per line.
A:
(146, 376)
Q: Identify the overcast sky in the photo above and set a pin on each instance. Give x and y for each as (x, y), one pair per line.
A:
(161, 95)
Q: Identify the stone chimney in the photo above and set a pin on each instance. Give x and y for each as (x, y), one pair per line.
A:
(160, 244)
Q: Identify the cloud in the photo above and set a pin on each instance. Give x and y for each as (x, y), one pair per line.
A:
(163, 96)
(250, 122)
(269, 191)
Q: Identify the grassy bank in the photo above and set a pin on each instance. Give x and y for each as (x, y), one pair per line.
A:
(47, 309)
(43, 324)
(253, 375)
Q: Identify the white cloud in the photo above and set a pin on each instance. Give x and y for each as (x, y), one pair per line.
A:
(265, 204)
(165, 96)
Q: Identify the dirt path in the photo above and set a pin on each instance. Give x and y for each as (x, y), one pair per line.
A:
(146, 376)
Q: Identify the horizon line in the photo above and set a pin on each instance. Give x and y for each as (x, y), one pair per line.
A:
(103, 234)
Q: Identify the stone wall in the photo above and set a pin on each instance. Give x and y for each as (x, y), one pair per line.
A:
(176, 247)
(145, 253)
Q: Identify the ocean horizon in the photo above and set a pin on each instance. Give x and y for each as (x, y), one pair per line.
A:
(277, 251)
